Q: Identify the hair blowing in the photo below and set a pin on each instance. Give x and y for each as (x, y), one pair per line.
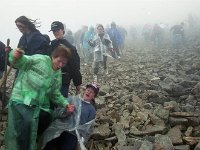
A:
(30, 23)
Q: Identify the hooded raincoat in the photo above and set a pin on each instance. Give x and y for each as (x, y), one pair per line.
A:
(36, 85)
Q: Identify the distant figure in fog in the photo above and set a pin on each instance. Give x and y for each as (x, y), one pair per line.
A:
(79, 40)
(101, 44)
(123, 34)
(146, 32)
(178, 35)
(69, 37)
(156, 35)
(116, 39)
(87, 49)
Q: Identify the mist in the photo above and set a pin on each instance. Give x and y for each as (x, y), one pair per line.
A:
(75, 13)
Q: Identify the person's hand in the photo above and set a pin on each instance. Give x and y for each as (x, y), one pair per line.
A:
(70, 108)
(7, 49)
(18, 53)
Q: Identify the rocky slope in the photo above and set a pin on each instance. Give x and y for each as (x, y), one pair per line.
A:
(149, 100)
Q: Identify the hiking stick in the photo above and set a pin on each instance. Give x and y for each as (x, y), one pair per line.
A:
(91, 145)
(9, 70)
(4, 82)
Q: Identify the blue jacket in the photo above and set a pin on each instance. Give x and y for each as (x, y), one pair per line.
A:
(88, 36)
(115, 36)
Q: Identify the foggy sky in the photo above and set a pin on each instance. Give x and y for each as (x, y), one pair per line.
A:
(75, 13)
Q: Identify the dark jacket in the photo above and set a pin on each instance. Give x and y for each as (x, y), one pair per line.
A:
(72, 69)
(2, 56)
(34, 43)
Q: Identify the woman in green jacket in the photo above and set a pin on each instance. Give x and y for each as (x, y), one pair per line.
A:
(37, 85)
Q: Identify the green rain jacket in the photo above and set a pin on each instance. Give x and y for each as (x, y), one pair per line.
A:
(36, 85)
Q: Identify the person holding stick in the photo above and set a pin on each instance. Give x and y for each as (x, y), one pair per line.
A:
(38, 83)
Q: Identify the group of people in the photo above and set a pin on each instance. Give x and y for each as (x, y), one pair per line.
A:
(44, 71)
(157, 34)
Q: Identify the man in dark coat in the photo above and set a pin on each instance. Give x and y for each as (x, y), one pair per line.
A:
(2, 58)
(72, 69)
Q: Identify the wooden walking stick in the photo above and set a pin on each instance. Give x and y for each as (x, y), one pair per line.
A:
(91, 144)
(5, 78)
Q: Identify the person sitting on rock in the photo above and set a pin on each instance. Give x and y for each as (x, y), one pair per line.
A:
(69, 128)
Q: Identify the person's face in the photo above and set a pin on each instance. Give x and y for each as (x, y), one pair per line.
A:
(22, 28)
(100, 30)
(89, 94)
(58, 62)
(58, 33)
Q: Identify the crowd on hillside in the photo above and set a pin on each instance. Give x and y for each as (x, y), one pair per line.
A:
(41, 113)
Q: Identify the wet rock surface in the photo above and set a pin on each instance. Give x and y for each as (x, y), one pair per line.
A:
(153, 100)
(149, 100)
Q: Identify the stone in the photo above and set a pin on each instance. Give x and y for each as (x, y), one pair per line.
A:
(182, 147)
(164, 141)
(193, 121)
(197, 147)
(189, 131)
(148, 106)
(173, 104)
(101, 132)
(125, 148)
(156, 120)
(161, 113)
(191, 140)
(146, 146)
(177, 121)
(183, 114)
(119, 132)
(175, 135)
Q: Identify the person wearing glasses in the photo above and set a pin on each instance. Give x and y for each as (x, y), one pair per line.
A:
(31, 41)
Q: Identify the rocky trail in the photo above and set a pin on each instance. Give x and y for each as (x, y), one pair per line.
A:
(150, 100)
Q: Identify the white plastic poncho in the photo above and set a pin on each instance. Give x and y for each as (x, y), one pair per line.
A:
(68, 123)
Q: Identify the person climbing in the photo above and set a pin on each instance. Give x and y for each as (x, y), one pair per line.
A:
(37, 84)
